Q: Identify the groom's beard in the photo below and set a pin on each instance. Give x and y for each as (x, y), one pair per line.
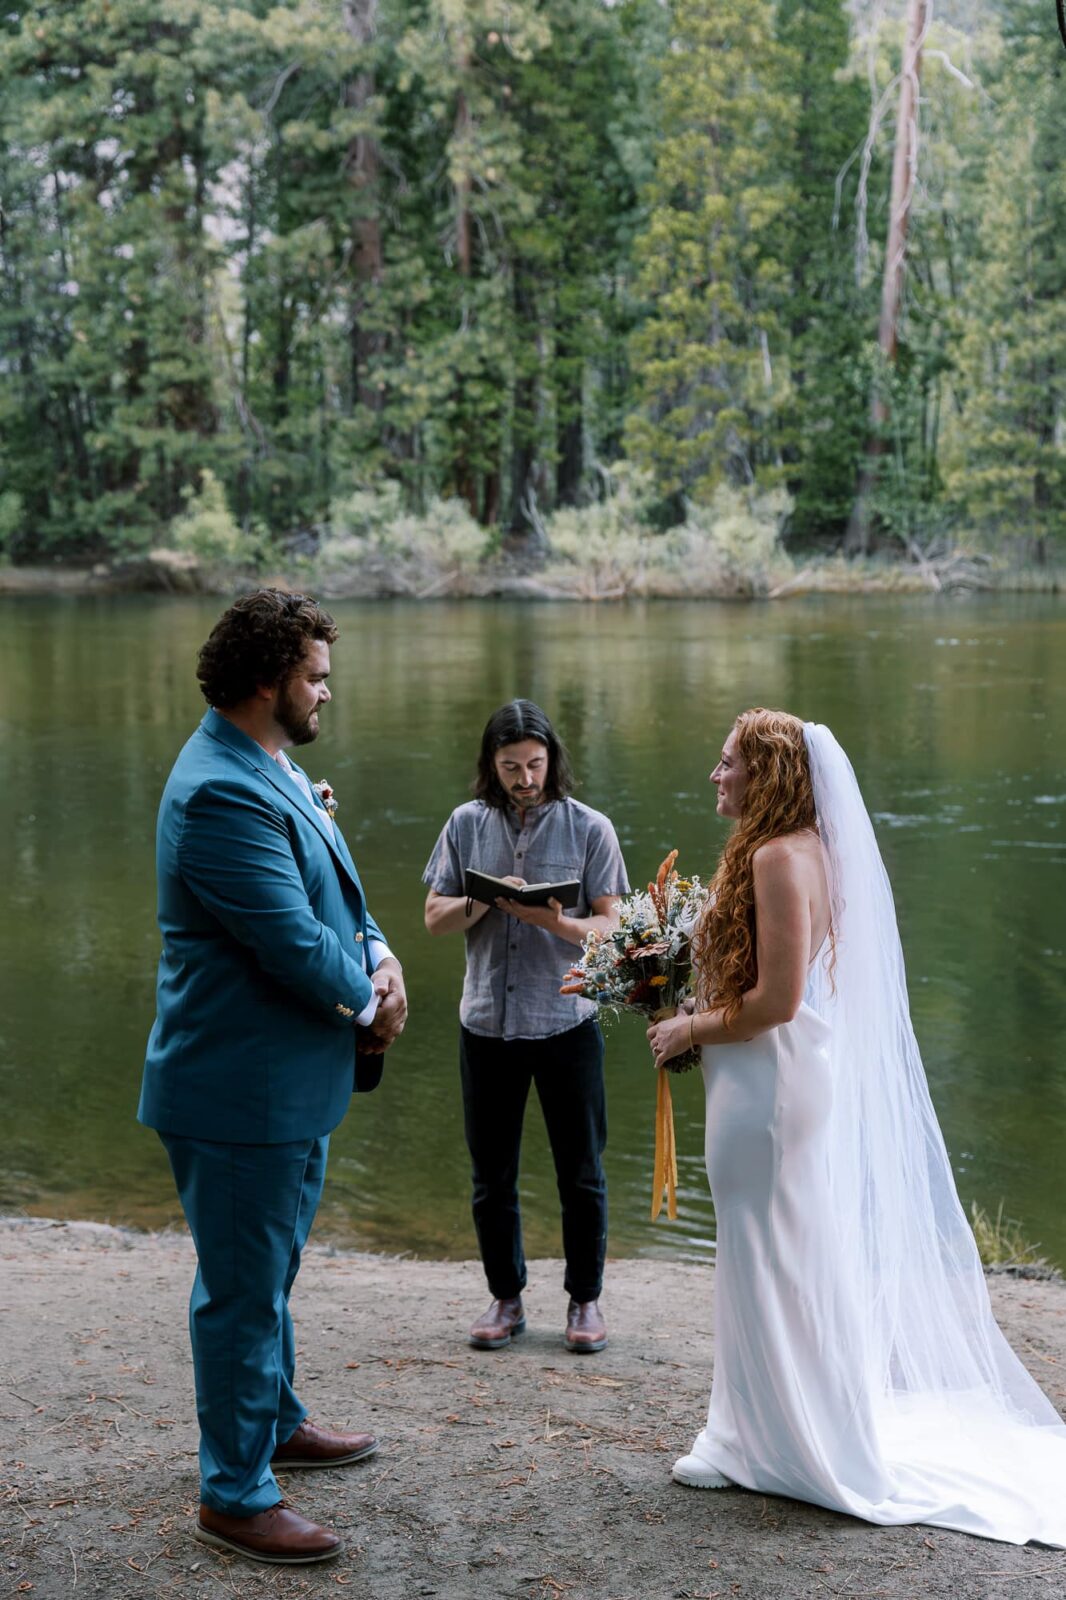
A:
(299, 728)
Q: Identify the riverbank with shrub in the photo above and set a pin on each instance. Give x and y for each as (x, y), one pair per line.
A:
(371, 548)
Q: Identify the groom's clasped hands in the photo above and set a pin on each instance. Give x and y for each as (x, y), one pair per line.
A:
(390, 1017)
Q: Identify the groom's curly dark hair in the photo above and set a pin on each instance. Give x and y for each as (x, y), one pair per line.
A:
(261, 639)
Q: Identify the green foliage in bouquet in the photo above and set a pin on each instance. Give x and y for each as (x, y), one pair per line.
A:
(645, 964)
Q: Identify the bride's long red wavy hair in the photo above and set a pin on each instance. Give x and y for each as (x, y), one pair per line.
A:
(779, 799)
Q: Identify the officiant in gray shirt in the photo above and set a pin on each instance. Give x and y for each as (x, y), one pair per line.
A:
(516, 1029)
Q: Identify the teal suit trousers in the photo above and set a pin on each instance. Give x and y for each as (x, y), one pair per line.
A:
(249, 1209)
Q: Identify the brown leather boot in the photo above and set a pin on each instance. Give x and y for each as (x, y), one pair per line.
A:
(311, 1446)
(279, 1535)
(586, 1330)
(500, 1324)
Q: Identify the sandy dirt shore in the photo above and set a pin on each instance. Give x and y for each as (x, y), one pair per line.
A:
(526, 1473)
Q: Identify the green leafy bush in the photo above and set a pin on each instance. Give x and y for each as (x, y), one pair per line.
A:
(375, 545)
(208, 529)
(729, 547)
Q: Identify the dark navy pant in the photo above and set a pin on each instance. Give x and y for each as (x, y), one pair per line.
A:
(249, 1208)
(567, 1070)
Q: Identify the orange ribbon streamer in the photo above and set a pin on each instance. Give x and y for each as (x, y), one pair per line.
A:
(665, 1175)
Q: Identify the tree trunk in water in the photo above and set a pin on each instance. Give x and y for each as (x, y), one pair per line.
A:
(904, 176)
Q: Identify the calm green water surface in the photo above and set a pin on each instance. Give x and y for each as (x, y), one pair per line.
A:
(954, 715)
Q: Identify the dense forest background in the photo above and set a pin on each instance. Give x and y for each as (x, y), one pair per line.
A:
(270, 268)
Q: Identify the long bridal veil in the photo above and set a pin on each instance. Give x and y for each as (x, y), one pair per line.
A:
(926, 1326)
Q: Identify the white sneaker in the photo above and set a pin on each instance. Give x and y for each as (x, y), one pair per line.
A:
(697, 1474)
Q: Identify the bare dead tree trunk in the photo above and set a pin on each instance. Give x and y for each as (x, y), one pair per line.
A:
(904, 176)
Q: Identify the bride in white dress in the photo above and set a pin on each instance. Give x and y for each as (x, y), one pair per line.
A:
(857, 1364)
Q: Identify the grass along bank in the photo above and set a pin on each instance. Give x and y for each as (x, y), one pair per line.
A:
(1002, 1246)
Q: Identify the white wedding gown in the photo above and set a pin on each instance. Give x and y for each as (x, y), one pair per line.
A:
(797, 1407)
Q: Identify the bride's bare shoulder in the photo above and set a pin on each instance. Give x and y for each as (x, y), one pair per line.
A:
(789, 848)
(794, 858)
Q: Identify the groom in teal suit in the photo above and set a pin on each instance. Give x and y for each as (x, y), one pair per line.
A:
(277, 995)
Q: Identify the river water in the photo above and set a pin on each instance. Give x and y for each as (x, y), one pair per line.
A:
(954, 714)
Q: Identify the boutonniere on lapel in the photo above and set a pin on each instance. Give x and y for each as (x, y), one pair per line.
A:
(325, 793)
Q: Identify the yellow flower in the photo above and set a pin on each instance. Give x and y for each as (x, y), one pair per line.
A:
(656, 983)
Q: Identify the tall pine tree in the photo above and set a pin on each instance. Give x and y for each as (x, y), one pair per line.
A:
(708, 358)
(823, 427)
(1009, 474)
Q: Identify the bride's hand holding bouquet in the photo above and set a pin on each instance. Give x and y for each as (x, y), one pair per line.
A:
(671, 1037)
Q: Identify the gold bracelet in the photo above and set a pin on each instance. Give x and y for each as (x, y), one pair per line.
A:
(691, 1025)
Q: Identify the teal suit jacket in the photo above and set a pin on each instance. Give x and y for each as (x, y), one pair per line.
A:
(261, 977)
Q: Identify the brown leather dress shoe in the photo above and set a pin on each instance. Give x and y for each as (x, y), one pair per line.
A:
(501, 1322)
(279, 1535)
(311, 1446)
(586, 1330)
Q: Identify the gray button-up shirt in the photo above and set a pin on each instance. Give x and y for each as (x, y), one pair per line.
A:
(514, 970)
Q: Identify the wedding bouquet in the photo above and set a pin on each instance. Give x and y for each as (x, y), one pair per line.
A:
(645, 965)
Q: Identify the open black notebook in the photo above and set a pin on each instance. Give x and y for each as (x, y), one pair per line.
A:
(484, 887)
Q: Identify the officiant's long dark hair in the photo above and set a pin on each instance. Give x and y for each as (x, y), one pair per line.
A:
(779, 799)
(511, 724)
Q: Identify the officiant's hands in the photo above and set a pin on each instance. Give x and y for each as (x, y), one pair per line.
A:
(669, 1038)
(548, 917)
